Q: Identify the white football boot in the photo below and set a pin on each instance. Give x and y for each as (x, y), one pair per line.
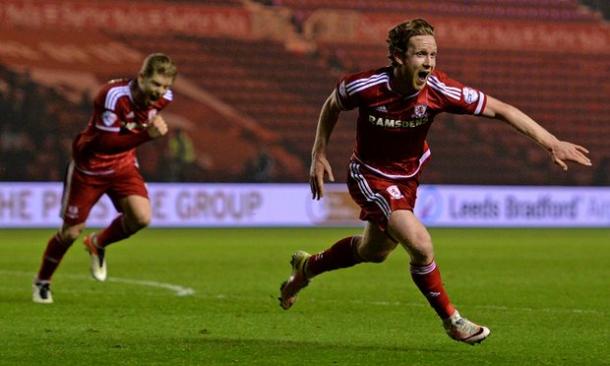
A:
(463, 330)
(98, 258)
(41, 292)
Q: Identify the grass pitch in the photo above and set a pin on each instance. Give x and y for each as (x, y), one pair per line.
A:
(544, 293)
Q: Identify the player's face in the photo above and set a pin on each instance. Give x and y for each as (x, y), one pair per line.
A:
(154, 87)
(416, 65)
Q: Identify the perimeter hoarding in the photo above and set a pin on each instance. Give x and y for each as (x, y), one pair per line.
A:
(246, 205)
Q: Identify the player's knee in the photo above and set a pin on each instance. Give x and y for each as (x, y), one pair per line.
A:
(70, 234)
(421, 257)
(422, 254)
(374, 257)
(422, 240)
(140, 220)
(421, 251)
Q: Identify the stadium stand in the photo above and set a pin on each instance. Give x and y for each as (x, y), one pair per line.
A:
(240, 91)
(217, 132)
(562, 10)
(29, 149)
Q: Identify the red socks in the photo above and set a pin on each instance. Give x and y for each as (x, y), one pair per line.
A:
(113, 233)
(52, 256)
(428, 280)
(341, 255)
(344, 254)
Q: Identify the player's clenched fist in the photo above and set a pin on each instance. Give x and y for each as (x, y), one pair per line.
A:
(157, 127)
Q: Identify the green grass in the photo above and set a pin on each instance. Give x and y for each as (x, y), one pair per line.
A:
(544, 293)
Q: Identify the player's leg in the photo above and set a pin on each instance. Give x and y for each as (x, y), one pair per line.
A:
(373, 246)
(130, 197)
(411, 233)
(57, 246)
(135, 215)
(408, 230)
(376, 245)
(342, 254)
(79, 195)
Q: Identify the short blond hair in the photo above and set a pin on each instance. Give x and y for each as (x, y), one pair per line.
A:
(398, 37)
(158, 63)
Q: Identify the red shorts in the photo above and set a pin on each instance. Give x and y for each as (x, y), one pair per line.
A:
(82, 191)
(379, 196)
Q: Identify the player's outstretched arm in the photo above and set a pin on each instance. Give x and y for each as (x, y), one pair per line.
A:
(329, 115)
(561, 151)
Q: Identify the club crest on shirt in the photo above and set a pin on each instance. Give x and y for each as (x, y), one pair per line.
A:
(420, 110)
(394, 192)
(72, 212)
(470, 95)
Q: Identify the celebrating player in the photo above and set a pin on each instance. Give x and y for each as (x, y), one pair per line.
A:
(396, 106)
(104, 161)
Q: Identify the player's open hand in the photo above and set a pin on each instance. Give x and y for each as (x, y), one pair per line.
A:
(157, 127)
(564, 151)
(319, 166)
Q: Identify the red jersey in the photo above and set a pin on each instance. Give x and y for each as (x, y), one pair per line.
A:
(391, 129)
(116, 127)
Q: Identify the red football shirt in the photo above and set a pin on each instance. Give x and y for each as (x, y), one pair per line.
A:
(392, 127)
(116, 127)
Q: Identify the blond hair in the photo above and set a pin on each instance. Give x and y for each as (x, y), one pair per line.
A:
(158, 63)
(398, 37)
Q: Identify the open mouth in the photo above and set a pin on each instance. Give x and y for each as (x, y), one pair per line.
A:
(423, 75)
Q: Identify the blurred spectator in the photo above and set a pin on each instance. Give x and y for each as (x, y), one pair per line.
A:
(260, 168)
(181, 156)
(35, 121)
(266, 2)
(602, 6)
(602, 173)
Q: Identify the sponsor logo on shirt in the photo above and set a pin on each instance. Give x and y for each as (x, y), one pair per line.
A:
(470, 95)
(397, 123)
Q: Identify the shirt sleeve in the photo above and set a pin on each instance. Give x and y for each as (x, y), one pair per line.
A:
(109, 112)
(456, 97)
(110, 138)
(346, 100)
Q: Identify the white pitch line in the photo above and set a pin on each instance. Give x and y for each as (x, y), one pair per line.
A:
(489, 307)
(177, 289)
(187, 291)
(416, 304)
